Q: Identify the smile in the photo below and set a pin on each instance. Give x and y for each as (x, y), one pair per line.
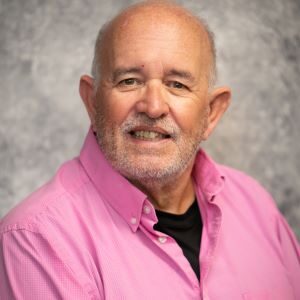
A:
(148, 135)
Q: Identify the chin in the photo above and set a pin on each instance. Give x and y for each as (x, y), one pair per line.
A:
(153, 171)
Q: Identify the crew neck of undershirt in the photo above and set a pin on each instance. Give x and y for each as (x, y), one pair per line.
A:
(182, 221)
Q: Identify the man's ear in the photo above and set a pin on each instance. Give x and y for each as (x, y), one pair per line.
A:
(219, 101)
(88, 96)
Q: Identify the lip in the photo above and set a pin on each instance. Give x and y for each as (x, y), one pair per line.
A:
(149, 128)
(149, 143)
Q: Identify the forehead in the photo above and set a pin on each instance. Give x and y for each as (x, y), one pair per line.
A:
(153, 35)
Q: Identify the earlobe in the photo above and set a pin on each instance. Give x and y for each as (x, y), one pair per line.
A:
(218, 103)
(87, 94)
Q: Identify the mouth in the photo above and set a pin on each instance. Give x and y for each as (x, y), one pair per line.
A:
(149, 135)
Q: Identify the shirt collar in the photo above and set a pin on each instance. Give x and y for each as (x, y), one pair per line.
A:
(208, 175)
(124, 197)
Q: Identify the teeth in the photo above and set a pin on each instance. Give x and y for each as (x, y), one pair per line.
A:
(147, 135)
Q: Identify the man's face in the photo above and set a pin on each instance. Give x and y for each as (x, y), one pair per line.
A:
(152, 101)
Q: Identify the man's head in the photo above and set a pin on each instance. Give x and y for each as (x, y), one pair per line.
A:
(152, 101)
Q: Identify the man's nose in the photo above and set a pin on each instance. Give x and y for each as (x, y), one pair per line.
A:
(153, 101)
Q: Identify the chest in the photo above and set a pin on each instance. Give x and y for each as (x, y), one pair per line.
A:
(149, 265)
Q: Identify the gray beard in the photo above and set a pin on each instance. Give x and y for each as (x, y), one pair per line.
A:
(129, 166)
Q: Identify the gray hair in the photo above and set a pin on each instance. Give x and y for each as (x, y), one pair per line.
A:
(96, 64)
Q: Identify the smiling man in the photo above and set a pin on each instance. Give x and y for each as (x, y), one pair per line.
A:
(143, 212)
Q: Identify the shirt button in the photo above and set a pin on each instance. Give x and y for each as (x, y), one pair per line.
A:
(133, 220)
(162, 239)
(146, 209)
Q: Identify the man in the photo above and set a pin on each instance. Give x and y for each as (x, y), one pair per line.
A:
(143, 212)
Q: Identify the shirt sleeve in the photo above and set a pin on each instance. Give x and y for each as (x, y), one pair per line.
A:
(290, 253)
(31, 268)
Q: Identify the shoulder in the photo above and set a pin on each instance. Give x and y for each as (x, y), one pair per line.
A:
(245, 190)
(235, 187)
(238, 177)
(49, 228)
(46, 202)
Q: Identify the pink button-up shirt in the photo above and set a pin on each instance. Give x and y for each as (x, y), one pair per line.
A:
(88, 234)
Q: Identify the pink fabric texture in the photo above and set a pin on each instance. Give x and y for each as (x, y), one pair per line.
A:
(88, 234)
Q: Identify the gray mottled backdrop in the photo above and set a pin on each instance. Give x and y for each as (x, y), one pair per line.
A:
(46, 45)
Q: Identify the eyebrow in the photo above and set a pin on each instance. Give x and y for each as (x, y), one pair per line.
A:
(181, 74)
(123, 71)
(138, 70)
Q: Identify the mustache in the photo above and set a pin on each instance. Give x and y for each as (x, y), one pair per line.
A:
(165, 123)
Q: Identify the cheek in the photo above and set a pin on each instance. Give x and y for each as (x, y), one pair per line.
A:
(117, 114)
(189, 116)
(115, 108)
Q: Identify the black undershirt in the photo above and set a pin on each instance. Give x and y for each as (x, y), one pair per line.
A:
(186, 229)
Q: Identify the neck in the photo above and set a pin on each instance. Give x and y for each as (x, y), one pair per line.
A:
(175, 195)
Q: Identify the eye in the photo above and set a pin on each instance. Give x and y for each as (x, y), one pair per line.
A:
(129, 81)
(177, 85)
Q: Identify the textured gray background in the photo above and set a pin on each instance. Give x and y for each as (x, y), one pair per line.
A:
(46, 45)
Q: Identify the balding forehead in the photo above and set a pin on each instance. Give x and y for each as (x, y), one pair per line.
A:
(157, 13)
(154, 16)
